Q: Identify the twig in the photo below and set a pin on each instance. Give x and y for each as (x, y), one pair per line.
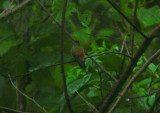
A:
(51, 65)
(134, 78)
(117, 86)
(9, 110)
(59, 25)
(107, 52)
(127, 19)
(11, 11)
(100, 77)
(142, 96)
(132, 52)
(124, 42)
(7, 7)
(93, 35)
(61, 59)
(113, 78)
(27, 96)
(92, 107)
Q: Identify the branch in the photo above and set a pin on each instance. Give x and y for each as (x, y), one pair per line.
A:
(142, 96)
(21, 5)
(91, 106)
(41, 68)
(134, 78)
(7, 7)
(49, 14)
(74, 40)
(155, 32)
(10, 110)
(132, 52)
(127, 19)
(107, 52)
(61, 58)
(117, 86)
(113, 78)
(27, 96)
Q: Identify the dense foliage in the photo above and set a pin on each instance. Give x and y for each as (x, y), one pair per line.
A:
(30, 43)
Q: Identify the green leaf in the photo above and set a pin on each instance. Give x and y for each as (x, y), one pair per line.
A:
(153, 67)
(85, 17)
(150, 16)
(72, 88)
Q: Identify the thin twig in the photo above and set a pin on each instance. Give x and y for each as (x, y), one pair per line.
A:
(11, 11)
(9, 110)
(92, 107)
(127, 19)
(7, 7)
(133, 79)
(61, 59)
(100, 77)
(51, 65)
(132, 52)
(59, 25)
(38, 105)
(113, 78)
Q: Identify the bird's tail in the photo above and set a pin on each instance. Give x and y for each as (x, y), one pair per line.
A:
(81, 64)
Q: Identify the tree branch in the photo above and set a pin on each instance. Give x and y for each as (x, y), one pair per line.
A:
(132, 52)
(10, 110)
(127, 19)
(21, 5)
(41, 68)
(134, 78)
(61, 59)
(27, 96)
(117, 86)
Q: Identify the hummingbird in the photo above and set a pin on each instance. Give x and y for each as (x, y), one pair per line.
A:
(78, 53)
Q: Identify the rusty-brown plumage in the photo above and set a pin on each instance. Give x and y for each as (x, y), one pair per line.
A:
(78, 53)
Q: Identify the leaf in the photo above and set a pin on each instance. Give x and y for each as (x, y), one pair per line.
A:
(150, 16)
(144, 82)
(153, 67)
(85, 17)
(72, 88)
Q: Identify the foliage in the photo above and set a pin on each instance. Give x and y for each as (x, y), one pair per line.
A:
(28, 42)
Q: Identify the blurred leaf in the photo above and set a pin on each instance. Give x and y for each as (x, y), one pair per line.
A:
(150, 16)
(85, 17)
(153, 67)
(73, 87)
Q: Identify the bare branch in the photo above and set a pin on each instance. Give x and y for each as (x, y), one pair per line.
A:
(92, 107)
(27, 96)
(134, 78)
(7, 7)
(155, 32)
(21, 5)
(61, 59)
(51, 65)
(132, 52)
(127, 19)
(10, 110)
(113, 78)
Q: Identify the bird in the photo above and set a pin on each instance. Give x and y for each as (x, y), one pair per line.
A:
(78, 53)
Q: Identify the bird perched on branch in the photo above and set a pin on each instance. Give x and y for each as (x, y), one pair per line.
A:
(78, 53)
